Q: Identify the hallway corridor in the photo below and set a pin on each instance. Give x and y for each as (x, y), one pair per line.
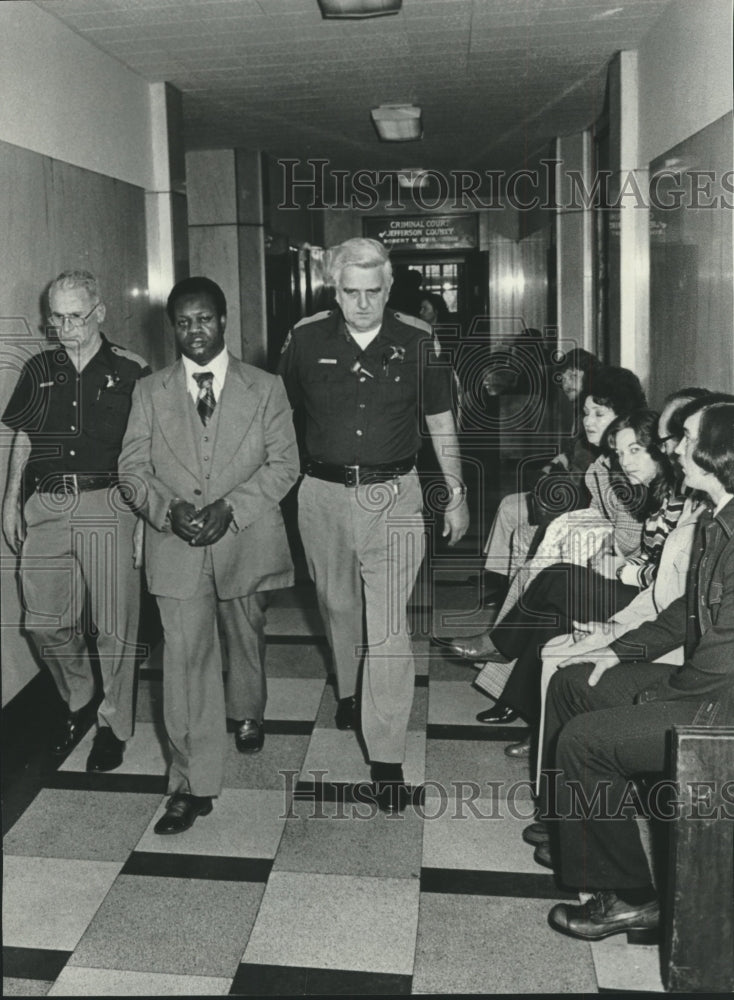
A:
(283, 890)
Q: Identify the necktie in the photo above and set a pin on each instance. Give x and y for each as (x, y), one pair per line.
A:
(205, 402)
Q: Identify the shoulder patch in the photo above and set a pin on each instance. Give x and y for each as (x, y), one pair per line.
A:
(313, 319)
(123, 352)
(409, 320)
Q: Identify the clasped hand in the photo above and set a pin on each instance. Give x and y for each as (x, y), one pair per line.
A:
(200, 527)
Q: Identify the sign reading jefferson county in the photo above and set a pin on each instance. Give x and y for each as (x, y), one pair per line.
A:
(424, 232)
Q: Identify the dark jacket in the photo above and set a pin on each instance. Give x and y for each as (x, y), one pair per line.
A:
(702, 620)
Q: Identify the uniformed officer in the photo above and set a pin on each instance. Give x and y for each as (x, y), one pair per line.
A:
(65, 513)
(362, 375)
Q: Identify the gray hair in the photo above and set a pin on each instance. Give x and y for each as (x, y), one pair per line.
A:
(357, 252)
(77, 279)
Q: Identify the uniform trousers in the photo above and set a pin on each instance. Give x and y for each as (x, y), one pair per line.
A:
(197, 631)
(79, 548)
(364, 546)
(600, 740)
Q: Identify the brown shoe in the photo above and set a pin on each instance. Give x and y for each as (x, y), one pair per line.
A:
(604, 914)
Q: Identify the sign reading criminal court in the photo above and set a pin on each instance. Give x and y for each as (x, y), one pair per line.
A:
(424, 232)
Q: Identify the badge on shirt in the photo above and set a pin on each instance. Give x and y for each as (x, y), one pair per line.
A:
(327, 361)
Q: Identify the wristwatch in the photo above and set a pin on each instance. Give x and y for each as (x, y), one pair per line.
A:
(458, 491)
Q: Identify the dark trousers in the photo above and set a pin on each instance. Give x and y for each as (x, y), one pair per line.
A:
(555, 599)
(599, 740)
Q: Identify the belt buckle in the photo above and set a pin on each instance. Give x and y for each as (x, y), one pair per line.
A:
(70, 482)
(351, 475)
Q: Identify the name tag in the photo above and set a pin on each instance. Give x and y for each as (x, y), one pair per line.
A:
(327, 361)
(44, 385)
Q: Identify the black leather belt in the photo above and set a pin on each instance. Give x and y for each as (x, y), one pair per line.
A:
(75, 482)
(355, 475)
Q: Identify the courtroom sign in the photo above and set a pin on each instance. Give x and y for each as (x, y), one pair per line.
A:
(424, 232)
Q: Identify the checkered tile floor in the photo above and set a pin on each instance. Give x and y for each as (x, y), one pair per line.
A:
(289, 887)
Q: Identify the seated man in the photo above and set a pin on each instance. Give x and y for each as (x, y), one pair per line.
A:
(637, 702)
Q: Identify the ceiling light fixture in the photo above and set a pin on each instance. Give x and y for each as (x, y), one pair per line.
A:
(354, 9)
(412, 178)
(397, 122)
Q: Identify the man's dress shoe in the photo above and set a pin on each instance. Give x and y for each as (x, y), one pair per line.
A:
(476, 649)
(107, 750)
(604, 914)
(347, 713)
(536, 833)
(499, 714)
(542, 855)
(181, 811)
(71, 730)
(390, 790)
(520, 750)
(249, 736)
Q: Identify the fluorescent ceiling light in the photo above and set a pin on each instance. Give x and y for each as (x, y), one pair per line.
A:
(412, 177)
(397, 122)
(358, 8)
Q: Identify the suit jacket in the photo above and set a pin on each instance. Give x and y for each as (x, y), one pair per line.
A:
(254, 464)
(702, 620)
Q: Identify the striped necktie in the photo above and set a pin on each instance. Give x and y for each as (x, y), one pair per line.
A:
(205, 402)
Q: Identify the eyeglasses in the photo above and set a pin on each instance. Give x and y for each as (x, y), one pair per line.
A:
(75, 320)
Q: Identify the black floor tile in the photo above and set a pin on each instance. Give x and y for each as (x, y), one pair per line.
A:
(98, 782)
(202, 866)
(33, 963)
(486, 883)
(282, 980)
(347, 793)
(487, 733)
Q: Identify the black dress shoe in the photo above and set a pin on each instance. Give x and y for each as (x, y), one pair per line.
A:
(391, 796)
(181, 811)
(536, 833)
(499, 714)
(107, 750)
(347, 713)
(520, 750)
(249, 736)
(72, 729)
(476, 649)
(389, 787)
(604, 914)
(542, 855)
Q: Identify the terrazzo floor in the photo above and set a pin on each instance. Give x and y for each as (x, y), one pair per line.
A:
(289, 887)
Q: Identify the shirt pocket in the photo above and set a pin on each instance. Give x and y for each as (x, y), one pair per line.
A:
(329, 392)
(397, 392)
(110, 415)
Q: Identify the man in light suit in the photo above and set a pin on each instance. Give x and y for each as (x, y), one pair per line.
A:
(210, 450)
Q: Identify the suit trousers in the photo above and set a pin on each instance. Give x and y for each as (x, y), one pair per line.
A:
(364, 546)
(197, 631)
(599, 740)
(78, 548)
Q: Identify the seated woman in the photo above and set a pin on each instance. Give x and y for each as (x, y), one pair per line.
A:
(575, 537)
(564, 593)
(511, 536)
